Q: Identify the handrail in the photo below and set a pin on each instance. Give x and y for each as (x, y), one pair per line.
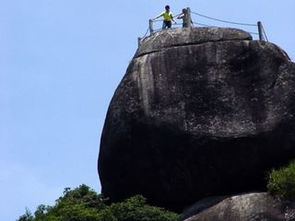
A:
(224, 21)
(188, 21)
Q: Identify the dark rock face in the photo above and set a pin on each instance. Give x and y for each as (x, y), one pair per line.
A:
(248, 207)
(200, 112)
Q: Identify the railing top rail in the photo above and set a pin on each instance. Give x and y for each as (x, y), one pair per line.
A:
(224, 21)
(188, 21)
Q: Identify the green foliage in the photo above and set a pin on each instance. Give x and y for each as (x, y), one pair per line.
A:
(84, 204)
(26, 217)
(281, 182)
(135, 208)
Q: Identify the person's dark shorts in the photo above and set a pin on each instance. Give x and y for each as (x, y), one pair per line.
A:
(167, 24)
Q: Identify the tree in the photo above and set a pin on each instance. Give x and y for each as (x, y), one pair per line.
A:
(84, 204)
(27, 216)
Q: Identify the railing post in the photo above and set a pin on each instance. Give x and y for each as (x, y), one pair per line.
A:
(151, 26)
(188, 18)
(260, 31)
(139, 41)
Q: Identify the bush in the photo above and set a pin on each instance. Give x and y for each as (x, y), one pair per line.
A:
(84, 204)
(136, 209)
(281, 182)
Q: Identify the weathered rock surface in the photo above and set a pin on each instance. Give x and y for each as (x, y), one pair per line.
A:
(201, 205)
(200, 112)
(181, 37)
(248, 207)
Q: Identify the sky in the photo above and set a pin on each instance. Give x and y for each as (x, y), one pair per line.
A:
(60, 63)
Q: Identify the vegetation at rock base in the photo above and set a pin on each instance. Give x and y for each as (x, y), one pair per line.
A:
(281, 182)
(84, 204)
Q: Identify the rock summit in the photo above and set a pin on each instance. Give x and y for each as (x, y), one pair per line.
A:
(200, 112)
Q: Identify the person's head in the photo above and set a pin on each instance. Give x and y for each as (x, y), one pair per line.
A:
(167, 7)
(184, 10)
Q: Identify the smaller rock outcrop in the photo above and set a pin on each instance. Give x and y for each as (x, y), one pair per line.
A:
(248, 207)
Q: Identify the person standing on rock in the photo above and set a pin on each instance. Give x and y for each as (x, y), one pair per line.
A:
(185, 18)
(168, 18)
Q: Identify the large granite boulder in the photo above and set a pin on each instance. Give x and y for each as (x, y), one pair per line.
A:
(200, 112)
(248, 207)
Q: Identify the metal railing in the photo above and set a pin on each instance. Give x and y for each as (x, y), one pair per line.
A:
(188, 21)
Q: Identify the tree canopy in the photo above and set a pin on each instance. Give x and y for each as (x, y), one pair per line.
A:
(84, 204)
